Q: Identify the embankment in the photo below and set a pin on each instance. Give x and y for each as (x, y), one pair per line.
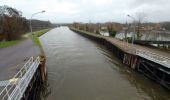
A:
(127, 54)
(39, 78)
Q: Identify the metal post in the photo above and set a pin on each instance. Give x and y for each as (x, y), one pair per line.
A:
(32, 38)
(134, 32)
(133, 37)
(30, 26)
(31, 20)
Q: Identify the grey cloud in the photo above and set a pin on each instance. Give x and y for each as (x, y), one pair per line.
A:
(136, 3)
(94, 10)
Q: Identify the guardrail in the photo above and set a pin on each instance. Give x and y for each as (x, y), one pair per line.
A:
(162, 60)
(15, 88)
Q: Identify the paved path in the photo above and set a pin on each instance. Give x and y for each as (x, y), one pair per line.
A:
(13, 58)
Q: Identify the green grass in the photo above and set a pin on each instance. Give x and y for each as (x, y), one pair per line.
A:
(9, 43)
(25, 36)
(38, 34)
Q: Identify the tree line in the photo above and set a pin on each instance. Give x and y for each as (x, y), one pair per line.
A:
(13, 24)
(139, 26)
(111, 27)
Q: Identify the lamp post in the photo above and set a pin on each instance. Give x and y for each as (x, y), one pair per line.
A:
(134, 27)
(32, 17)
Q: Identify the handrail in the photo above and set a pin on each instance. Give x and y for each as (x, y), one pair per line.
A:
(20, 81)
(160, 59)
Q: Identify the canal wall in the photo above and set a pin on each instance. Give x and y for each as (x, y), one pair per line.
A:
(32, 90)
(38, 79)
(152, 70)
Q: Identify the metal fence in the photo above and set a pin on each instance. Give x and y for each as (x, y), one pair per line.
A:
(15, 88)
(160, 59)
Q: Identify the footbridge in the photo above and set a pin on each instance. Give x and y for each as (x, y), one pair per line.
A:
(19, 86)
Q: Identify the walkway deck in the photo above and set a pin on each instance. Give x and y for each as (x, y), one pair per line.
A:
(127, 47)
(14, 57)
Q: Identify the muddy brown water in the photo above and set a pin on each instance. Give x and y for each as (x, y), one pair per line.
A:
(81, 69)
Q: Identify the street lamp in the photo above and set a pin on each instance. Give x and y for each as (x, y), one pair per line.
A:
(134, 27)
(32, 17)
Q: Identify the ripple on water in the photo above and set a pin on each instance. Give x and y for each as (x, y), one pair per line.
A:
(80, 69)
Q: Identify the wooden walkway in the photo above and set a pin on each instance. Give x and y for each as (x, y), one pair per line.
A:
(131, 48)
(152, 54)
(147, 42)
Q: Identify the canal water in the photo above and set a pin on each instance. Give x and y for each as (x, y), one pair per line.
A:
(81, 69)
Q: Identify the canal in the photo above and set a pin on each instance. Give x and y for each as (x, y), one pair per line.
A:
(81, 69)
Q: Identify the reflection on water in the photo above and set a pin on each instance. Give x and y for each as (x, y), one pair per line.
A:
(80, 69)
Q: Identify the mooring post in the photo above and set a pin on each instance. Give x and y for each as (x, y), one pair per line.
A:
(42, 68)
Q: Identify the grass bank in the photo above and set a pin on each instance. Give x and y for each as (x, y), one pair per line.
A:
(25, 36)
(37, 34)
(9, 43)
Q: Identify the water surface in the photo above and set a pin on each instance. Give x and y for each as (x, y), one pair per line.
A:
(81, 69)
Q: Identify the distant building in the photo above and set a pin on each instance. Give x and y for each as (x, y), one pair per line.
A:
(104, 28)
(104, 31)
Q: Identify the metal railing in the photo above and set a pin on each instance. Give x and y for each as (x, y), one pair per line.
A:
(15, 88)
(160, 59)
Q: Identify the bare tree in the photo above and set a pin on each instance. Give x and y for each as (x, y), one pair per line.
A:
(140, 18)
(12, 23)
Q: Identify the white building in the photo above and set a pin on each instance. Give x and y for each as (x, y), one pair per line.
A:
(104, 33)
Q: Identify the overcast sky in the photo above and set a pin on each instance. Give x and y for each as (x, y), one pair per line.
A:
(64, 11)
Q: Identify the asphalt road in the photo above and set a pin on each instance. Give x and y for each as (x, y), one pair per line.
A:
(13, 58)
